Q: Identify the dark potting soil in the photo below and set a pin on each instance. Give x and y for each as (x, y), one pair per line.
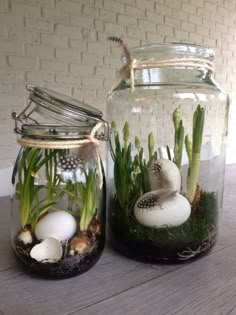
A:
(145, 251)
(68, 266)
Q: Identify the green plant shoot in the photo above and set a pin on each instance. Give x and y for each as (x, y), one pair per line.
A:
(193, 148)
(30, 207)
(151, 145)
(25, 186)
(179, 137)
(89, 195)
(130, 173)
(126, 136)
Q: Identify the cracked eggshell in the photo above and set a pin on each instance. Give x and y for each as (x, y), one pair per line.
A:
(164, 174)
(59, 224)
(155, 211)
(49, 251)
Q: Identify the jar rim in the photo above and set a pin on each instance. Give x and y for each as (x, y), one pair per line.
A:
(172, 50)
(54, 131)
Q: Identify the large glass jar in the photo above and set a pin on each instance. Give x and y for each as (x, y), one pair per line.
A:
(58, 208)
(167, 153)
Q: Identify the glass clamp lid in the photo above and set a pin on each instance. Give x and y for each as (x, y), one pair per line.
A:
(58, 107)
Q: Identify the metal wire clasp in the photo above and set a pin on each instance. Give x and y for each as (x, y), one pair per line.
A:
(23, 117)
(104, 135)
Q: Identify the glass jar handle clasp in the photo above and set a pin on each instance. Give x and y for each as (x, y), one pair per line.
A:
(23, 117)
(104, 135)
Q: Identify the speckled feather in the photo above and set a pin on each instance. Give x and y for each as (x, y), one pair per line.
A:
(156, 168)
(126, 50)
(164, 174)
(154, 199)
(69, 162)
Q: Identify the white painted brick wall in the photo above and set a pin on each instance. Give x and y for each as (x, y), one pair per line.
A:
(62, 44)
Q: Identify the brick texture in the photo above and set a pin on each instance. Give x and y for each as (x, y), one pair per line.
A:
(62, 45)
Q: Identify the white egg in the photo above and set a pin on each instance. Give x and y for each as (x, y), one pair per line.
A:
(59, 224)
(50, 250)
(160, 209)
(164, 174)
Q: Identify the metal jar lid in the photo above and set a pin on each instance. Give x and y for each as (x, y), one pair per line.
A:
(60, 108)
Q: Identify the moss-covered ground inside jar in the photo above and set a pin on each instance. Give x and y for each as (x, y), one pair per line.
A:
(191, 239)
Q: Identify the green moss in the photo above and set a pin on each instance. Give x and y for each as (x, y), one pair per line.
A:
(202, 221)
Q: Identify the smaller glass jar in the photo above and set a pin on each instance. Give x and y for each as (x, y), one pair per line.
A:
(58, 209)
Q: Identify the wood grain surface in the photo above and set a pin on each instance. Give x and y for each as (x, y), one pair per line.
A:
(117, 285)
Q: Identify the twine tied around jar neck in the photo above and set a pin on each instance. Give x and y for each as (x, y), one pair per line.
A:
(132, 64)
(68, 144)
(61, 144)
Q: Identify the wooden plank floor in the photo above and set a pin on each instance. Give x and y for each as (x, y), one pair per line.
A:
(120, 286)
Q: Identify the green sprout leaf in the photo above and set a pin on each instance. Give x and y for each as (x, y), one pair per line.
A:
(137, 143)
(90, 197)
(130, 172)
(179, 137)
(177, 117)
(193, 149)
(151, 145)
(188, 146)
